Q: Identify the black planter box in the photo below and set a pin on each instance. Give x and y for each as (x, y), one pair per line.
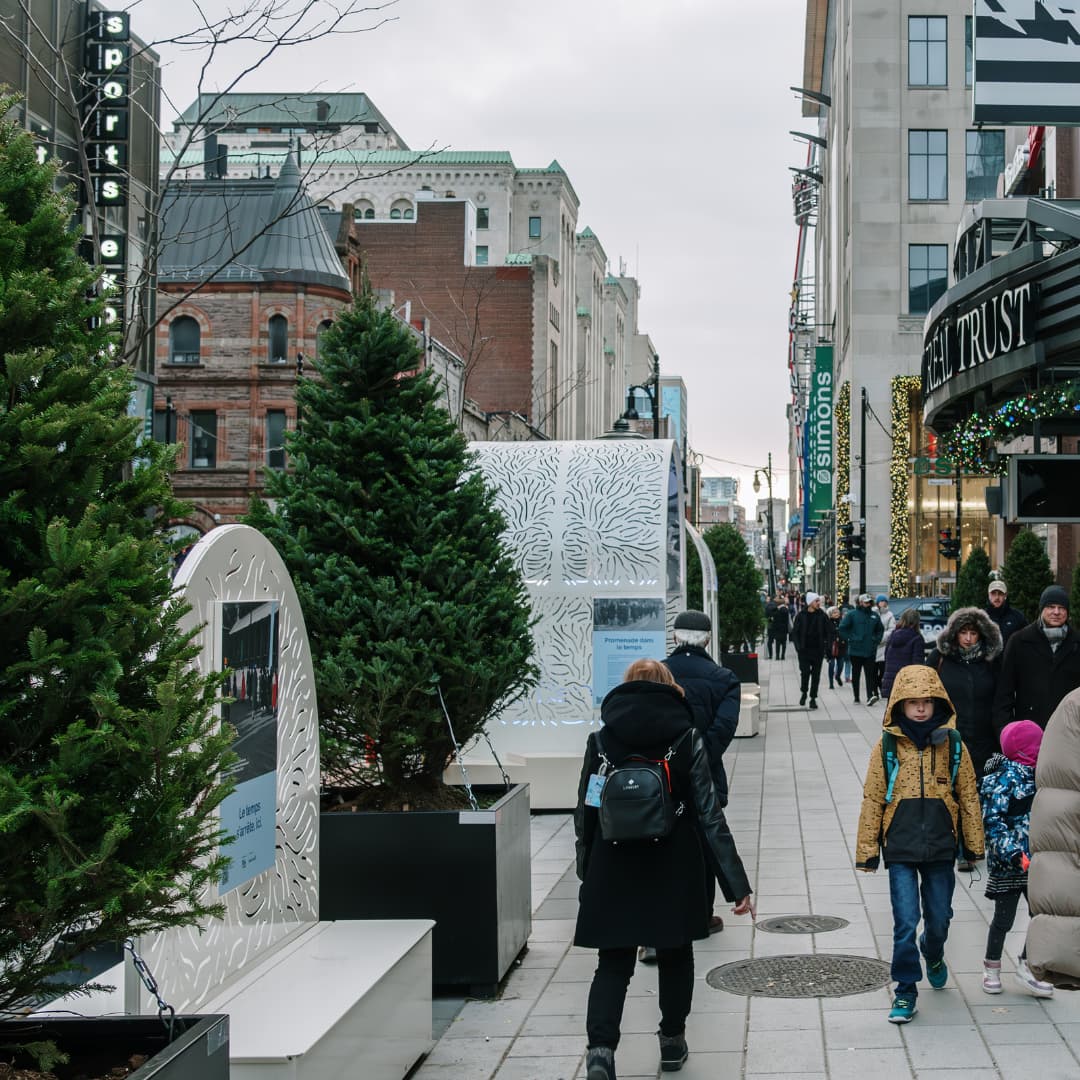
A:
(744, 665)
(469, 870)
(199, 1049)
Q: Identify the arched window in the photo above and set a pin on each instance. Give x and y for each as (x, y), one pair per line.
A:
(369, 213)
(320, 333)
(184, 340)
(395, 214)
(407, 213)
(363, 210)
(402, 209)
(279, 339)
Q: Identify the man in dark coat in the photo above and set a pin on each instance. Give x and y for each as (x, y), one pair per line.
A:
(862, 630)
(714, 695)
(1041, 664)
(770, 611)
(813, 636)
(778, 625)
(1004, 616)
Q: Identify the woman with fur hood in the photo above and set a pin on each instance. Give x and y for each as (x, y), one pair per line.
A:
(967, 657)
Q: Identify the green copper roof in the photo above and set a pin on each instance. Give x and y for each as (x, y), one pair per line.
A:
(309, 158)
(587, 234)
(519, 258)
(584, 311)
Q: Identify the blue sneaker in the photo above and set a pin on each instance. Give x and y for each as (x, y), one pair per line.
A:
(903, 1009)
(937, 973)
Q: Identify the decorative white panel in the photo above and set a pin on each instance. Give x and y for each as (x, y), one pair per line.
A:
(598, 518)
(236, 563)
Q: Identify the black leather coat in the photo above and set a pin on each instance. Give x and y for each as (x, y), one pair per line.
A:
(1034, 678)
(653, 893)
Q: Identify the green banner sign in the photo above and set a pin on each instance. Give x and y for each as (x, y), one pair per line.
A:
(820, 451)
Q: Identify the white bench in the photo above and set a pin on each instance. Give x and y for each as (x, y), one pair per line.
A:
(341, 999)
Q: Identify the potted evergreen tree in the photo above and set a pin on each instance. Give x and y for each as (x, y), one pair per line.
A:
(742, 613)
(972, 581)
(1026, 571)
(420, 632)
(110, 751)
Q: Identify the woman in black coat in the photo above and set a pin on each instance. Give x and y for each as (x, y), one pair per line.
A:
(968, 659)
(905, 646)
(650, 892)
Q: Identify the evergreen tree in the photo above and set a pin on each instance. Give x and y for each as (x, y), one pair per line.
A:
(694, 597)
(109, 749)
(972, 581)
(742, 614)
(394, 543)
(1026, 571)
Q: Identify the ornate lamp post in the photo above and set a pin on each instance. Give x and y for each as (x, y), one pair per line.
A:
(767, 470)
(651, 386)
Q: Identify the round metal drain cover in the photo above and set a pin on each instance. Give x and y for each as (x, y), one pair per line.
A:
(805, 976)
(801, 924)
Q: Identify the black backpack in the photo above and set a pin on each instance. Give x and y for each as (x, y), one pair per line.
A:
(637, 801)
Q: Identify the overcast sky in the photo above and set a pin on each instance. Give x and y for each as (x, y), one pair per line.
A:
(671, 119)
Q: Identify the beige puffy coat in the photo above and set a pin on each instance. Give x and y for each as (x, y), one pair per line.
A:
(926, 820)
(1053, 940)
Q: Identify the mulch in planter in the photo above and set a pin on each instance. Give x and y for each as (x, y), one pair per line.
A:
(73, 1071)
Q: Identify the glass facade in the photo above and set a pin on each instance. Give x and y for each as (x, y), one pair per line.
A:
(928, 275)
(984, 163)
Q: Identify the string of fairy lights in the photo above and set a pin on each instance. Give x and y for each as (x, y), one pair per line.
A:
(904, 387)
(842, 415)
(968, 442)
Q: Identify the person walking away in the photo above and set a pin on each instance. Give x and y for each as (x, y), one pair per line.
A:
(714, 695)
(812, 635)
(861, 628)
(1040, 666)
(888, 624)
(770, 611)
(1007, 790)
(1002, 614)
(780, 627)
(916, 814)
(906, 646)
(1053, 937)
(967, 658)
(649, 890)
(837, 650)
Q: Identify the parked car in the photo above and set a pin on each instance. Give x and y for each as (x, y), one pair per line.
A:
(933, 613)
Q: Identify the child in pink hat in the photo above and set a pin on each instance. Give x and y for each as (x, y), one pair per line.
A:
(1007, 790)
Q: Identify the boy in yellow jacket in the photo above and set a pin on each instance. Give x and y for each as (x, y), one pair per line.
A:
(920, 811)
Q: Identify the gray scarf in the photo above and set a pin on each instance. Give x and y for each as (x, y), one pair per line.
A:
(971, 655)
(1054, 634)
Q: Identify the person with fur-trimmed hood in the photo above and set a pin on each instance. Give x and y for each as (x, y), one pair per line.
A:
(967, 657)
(919, 819)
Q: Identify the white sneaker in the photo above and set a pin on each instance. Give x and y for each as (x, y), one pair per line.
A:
(991, 982)
(873, 699)
(1030, 983)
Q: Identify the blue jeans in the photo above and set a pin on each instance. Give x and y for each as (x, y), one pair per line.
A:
(905, 890)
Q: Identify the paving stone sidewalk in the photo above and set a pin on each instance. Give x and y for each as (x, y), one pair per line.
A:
(795, 794)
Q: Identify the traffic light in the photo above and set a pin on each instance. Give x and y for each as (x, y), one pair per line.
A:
(948, 548)
(858, 549)
(845, 540)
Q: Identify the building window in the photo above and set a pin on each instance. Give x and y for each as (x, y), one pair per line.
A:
(320, 333)
(184, 340)
(363, 211)
(928, 166)
(481, 255)
(985, 161)
(395, 214)
(927, 64)
(275, 439)
(278, 351)
(408, 213)
(160, 429)
(534, 228)
(369, 213)
(969, 53)
(482, 217)
(928, 275)
(402, 210)
(203, 440)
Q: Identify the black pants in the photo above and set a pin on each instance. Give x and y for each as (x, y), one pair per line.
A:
(1002, 922)
(810, 674)
(607, 994)
(781, 646)
(863, 664)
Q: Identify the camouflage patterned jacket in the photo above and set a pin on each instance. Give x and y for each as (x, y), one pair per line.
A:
(925, 820)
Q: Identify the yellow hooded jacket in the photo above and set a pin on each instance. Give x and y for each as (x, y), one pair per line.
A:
(925, 821)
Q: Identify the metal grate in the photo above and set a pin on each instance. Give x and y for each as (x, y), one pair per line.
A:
(806, 976)
(801, 924)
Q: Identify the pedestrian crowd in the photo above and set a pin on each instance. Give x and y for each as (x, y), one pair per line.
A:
(979, 758)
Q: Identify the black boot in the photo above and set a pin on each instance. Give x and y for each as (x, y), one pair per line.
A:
(673, 1052)
(600, 1063)
(802, 699)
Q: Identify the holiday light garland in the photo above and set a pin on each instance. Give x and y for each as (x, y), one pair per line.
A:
(903, 387)
(968, 441)
(842, 414)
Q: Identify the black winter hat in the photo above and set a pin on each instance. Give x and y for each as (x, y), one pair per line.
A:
(693, 620)
(1054, 594)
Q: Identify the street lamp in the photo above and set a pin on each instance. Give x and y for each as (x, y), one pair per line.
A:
(651, 386)
(767, 470)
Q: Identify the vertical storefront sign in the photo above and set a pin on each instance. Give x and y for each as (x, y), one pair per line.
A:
(820, 428)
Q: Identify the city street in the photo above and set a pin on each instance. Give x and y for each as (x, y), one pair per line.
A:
(795, 796)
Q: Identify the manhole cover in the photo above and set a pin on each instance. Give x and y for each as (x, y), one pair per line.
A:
(801, 924)
(808, 976)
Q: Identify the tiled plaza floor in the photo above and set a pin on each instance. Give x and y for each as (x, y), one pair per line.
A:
(794, 805)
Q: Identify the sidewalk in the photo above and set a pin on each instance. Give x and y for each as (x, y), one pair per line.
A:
(794, 805)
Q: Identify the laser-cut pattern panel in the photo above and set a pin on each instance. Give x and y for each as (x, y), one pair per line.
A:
(233, 564)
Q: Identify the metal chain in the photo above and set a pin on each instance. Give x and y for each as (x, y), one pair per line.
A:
(457, 751)
(148, 980)
(505, 775)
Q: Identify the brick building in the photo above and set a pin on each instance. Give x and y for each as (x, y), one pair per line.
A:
(248, 281)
